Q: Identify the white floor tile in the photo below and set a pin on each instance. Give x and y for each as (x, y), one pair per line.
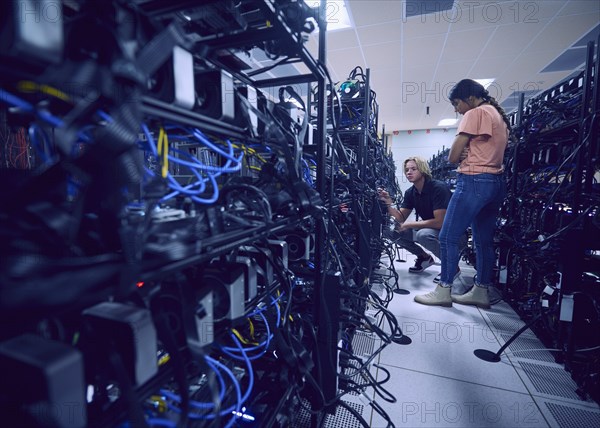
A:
(503, 321)
(405, 306)
(446, 349)
(425, 400)
(439, 382)
(550, 381)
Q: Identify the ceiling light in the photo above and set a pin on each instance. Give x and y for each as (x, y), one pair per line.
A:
(484, 82)
(336, 14)
(295, 102)
(447, 122)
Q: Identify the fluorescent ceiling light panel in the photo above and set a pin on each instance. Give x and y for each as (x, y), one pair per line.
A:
(447, 122)
(294, 101)
(336, 14)
(485, 82)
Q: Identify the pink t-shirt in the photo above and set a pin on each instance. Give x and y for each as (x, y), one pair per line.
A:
(488, 142)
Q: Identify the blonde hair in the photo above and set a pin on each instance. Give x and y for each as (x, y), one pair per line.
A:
(422, 166)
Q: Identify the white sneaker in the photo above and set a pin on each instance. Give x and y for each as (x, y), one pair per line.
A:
(476, 296)
(438, 297)
(421, 265)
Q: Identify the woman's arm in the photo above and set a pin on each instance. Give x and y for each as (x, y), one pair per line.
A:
(459, 144)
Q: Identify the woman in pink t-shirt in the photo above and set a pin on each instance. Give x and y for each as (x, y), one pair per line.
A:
(480, 189)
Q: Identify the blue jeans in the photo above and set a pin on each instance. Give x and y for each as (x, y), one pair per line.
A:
(475, 202)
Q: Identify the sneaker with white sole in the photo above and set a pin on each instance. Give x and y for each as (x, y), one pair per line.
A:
(438, 297)
(438, 277)
(421, 264)
(476, 296)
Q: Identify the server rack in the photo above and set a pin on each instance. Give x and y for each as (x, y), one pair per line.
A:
(548, 231)
(134, 261)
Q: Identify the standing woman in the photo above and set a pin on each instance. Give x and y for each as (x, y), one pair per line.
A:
(480, 189)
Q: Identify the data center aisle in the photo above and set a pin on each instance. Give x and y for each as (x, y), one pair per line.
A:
(438, 382)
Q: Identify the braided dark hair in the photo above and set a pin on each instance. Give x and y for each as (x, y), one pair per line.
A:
(467, 87)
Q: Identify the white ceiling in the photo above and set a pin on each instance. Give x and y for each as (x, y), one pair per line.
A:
(414, 61)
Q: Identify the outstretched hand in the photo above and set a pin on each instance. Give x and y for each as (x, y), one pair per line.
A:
(384, 196)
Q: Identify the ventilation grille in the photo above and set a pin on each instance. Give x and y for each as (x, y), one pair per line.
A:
(575, 56)
(342, 418)
(302, 418)
(528, 348)
(363, 343)
(569, 417)
(570, 59)
(425, 7)
(507, 324)
(550, 380)
(356, 381)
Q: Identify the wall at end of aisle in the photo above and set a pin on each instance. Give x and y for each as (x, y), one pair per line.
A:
(422, 142)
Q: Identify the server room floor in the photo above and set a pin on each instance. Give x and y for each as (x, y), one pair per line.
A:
(438, 381)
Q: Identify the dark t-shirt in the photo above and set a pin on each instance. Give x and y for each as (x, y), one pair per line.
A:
(434, 196)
